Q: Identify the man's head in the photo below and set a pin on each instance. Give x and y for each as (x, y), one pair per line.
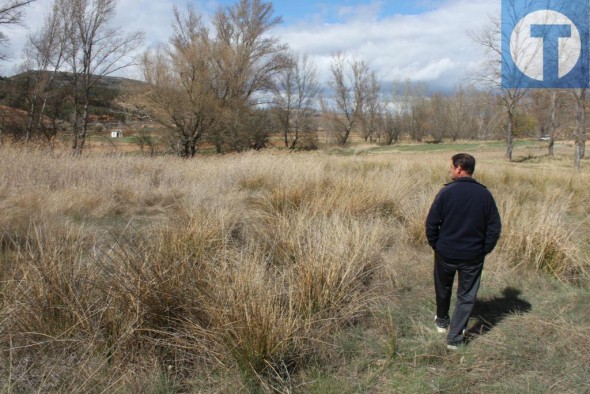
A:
(462, 164)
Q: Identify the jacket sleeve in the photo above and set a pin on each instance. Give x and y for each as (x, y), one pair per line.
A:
(433, 221)
(493, 228)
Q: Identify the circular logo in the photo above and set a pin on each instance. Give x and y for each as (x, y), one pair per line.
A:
(528, 51)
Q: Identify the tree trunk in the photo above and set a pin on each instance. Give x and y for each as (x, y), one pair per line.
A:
(75, 129)
(31, 121)
(578, 157)
(82, 136)
(295, 140)
(193, 147)
(580, 135)
(509, 143)
(343, 138)
(553, 123)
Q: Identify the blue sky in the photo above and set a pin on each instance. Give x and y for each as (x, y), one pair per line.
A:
(422, 40)
(335, 11)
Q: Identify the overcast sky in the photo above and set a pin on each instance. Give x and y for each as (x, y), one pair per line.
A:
(421, 40)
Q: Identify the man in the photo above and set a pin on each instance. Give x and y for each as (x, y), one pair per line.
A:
(462, 227)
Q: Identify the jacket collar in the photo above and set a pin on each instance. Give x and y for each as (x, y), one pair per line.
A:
(464, 179)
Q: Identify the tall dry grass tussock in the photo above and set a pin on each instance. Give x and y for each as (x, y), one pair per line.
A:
(541, 230)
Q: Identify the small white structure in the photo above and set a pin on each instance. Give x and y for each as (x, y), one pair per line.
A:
(116, 134)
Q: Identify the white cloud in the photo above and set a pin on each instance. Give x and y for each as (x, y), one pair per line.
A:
(425, 47)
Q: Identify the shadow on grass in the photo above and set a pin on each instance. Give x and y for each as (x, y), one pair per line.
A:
(527, 157)
(488, 313)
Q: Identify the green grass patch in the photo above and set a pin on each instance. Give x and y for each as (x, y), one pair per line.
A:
(449, 147)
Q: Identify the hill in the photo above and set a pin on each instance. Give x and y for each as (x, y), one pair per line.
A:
(115, 84)
(13, 93)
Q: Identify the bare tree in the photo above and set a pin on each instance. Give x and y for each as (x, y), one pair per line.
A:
(413, 107)
(371, 109)
(213, 81)
(11, 13)
(94, 49)
(462, 114)
(351, 82)
(295, 99)
(440, 117)
(246, 61)
(344, 114)
(546, 107)
(489, 38)
(401, 105)
(487, 113)
(44, 55)
(419, 119)
(182, 94)
(391, 127)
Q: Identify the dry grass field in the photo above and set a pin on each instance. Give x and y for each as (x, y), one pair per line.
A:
(283, 272)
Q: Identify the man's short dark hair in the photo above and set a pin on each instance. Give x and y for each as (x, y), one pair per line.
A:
(466, 161)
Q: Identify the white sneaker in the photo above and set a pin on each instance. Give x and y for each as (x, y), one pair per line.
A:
(441, 328)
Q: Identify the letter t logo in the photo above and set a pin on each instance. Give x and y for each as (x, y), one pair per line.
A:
(545, 44)
(551, 35)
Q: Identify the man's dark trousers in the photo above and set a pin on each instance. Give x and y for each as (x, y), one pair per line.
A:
(469, 279)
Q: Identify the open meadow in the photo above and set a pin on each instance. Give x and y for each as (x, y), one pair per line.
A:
(284, 272)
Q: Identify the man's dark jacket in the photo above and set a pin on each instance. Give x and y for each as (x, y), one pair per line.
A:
(463, 222)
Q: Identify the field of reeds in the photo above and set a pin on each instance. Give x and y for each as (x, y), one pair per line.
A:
(281, 272)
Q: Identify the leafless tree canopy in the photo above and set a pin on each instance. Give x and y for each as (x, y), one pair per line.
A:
(182, 94)
(295, 101)
(210, 83)
(354, 85)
